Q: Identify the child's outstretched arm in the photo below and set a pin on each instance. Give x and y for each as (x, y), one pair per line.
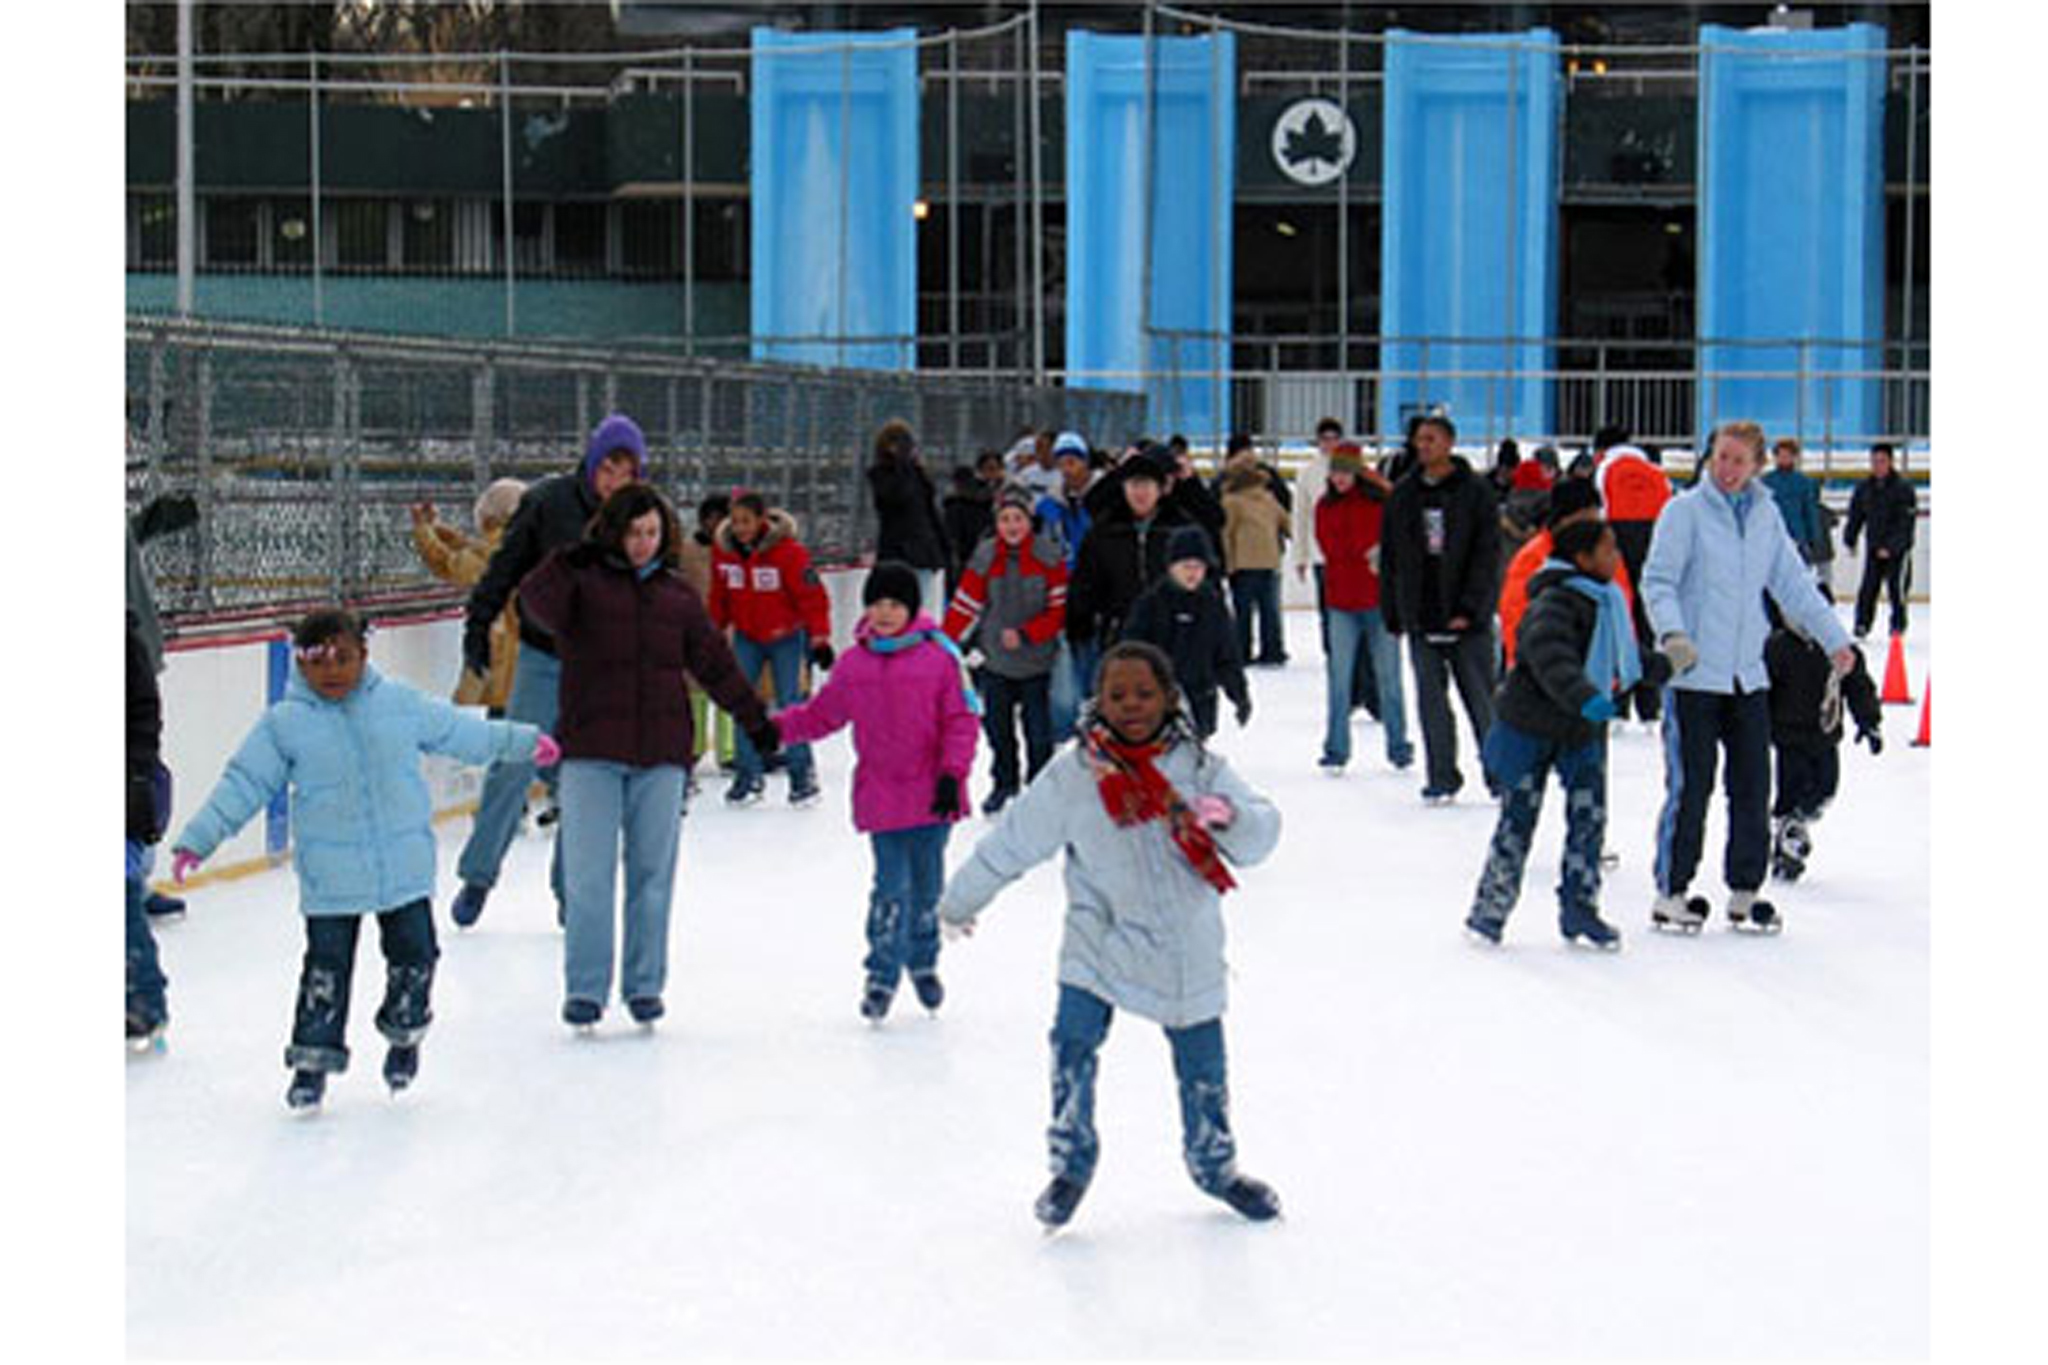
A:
(1254, 827)
(829, 708)
(1032, 829)
(253, 776)
(446, 729)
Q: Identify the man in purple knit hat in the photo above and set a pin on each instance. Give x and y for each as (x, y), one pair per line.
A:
(554, 512)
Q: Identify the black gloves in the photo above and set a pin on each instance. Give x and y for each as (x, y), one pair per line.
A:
(476, 653)
(946, 796)
(1244, 713)
(1869, 735)
(822, 656)
(766, 737)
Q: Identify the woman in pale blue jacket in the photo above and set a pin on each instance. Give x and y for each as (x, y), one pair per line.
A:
(1717, 550)
(347, 742)
(1147, 817)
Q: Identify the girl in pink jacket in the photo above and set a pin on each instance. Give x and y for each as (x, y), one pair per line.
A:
(914, 722)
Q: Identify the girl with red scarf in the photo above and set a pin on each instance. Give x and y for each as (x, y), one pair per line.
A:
(1147, 817)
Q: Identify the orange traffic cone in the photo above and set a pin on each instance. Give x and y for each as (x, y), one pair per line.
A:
(1926, 707)
(1895, 690)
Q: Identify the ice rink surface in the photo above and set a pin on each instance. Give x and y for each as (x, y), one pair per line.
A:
(1702, 1147)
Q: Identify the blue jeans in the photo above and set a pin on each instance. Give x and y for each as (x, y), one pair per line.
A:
(536, 697)
(1002, 701)
(785, 660)
(1257, 592)
(1582, 772)
(602, 801)
(1063, 699)
(145, 973)
(1078, 1030)
(320, 1018)
(1349, 632)
(903, 909)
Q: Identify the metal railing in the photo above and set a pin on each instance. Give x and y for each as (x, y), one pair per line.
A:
(305, 449)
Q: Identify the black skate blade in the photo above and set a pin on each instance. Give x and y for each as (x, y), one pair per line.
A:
(1479, 940)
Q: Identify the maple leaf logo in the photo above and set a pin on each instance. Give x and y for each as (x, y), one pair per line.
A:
(1314, 141)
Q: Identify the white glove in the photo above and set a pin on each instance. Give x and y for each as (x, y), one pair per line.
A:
(953, 930)
(1372, 559)
(1679, 648)
(974, 658)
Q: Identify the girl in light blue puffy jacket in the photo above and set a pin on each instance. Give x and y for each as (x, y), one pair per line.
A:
(1147, 817)
(347, 742)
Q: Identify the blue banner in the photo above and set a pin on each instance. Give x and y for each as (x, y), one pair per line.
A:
(1468, 245)
(1792, 228)
(834, 181)
(1116, 328)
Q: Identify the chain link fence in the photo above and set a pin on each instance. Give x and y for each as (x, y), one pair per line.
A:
(306, 449)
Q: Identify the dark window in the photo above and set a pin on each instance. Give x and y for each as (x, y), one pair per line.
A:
(579, 238)
(720, 249)
(651, 237)
(429, 234)
(154, 228)
(233, 232)
(361, 233)
(291, 234)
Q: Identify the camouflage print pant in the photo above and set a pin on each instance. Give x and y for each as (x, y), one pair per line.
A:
(1582, 772)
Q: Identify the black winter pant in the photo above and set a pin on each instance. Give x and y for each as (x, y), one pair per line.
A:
(1697, 727)
(1632, 538)
(1003, 701)
(1808, 776)
(320, 1024)
(1890, 575)
(1468, 660)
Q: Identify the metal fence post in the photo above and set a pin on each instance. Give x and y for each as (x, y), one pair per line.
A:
(209, 495)
(481, 421)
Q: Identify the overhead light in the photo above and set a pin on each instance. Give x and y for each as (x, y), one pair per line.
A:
(1284, 228)
(920, 209)
(1674, 228)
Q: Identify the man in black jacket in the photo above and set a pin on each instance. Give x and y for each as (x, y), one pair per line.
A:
(1439, 584)
(148, 793)
(1123, 554)
(1886, 504)
(911, 529)
(553, 512)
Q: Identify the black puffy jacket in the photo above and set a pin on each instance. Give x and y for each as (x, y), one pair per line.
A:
(554, 512)
(1548, 684)
(148, 782)
(1470, 566)
(907, 507)
(1806, 701)
(1197, 632)
(1117, 562)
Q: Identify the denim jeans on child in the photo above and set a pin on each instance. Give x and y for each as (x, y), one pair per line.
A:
(1582, 772)
(785, 660)
(145, 973)
(903, 918)
(1078, 1030)
(536, 696)
(1353, 633)
(320, 1022)
(1003, 701)
(601, 803)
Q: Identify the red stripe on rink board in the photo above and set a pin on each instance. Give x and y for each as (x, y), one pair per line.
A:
(185, 643)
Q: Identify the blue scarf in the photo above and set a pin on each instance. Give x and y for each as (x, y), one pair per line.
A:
(896, 644)
(1612, 659)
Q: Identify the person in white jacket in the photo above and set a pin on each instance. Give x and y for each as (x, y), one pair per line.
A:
(1147, 817)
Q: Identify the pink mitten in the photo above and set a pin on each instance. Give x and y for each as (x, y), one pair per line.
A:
(183, 860)
(546, 753)
(1215, 812)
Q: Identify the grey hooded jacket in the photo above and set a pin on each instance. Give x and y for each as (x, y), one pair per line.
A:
(1143, 931)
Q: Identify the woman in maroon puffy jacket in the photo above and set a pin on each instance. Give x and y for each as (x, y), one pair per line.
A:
(627, 628)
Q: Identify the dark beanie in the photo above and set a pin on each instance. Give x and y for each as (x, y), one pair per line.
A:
(895, 580)
(1187, 542)
(1572, 495)
(1569, 542)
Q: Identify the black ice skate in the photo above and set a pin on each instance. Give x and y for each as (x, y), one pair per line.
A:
(1255, 1199)
(745, 791)
(144, 1033)
(1678, 914)
(1791, 846)
(646, 1009)
(804, 792)
(1593, 932)
(930, 992)
(1483, 930)
(1057, 1202)
(401, 1065)
(874, 1002)
(1752, 916)
(582, 1015)
(306, 1091)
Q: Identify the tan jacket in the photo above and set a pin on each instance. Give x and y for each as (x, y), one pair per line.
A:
(1254, 528)
(457, 557)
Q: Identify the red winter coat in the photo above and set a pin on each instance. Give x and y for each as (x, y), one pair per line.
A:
(769, 589)
(1347, 531)
(1631, 488)
(625, 643)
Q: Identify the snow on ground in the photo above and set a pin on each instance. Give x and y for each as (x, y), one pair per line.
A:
(1701, 1147)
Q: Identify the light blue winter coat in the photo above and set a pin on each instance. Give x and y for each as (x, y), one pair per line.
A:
(1144, 931)
(1712, 558)
(362, 837)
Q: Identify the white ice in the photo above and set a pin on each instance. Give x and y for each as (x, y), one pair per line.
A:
(1700, 1147)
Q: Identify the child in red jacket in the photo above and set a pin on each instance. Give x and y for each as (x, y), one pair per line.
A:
(766, 594)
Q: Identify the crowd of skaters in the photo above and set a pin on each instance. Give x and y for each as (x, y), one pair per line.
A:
(1100, 606)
